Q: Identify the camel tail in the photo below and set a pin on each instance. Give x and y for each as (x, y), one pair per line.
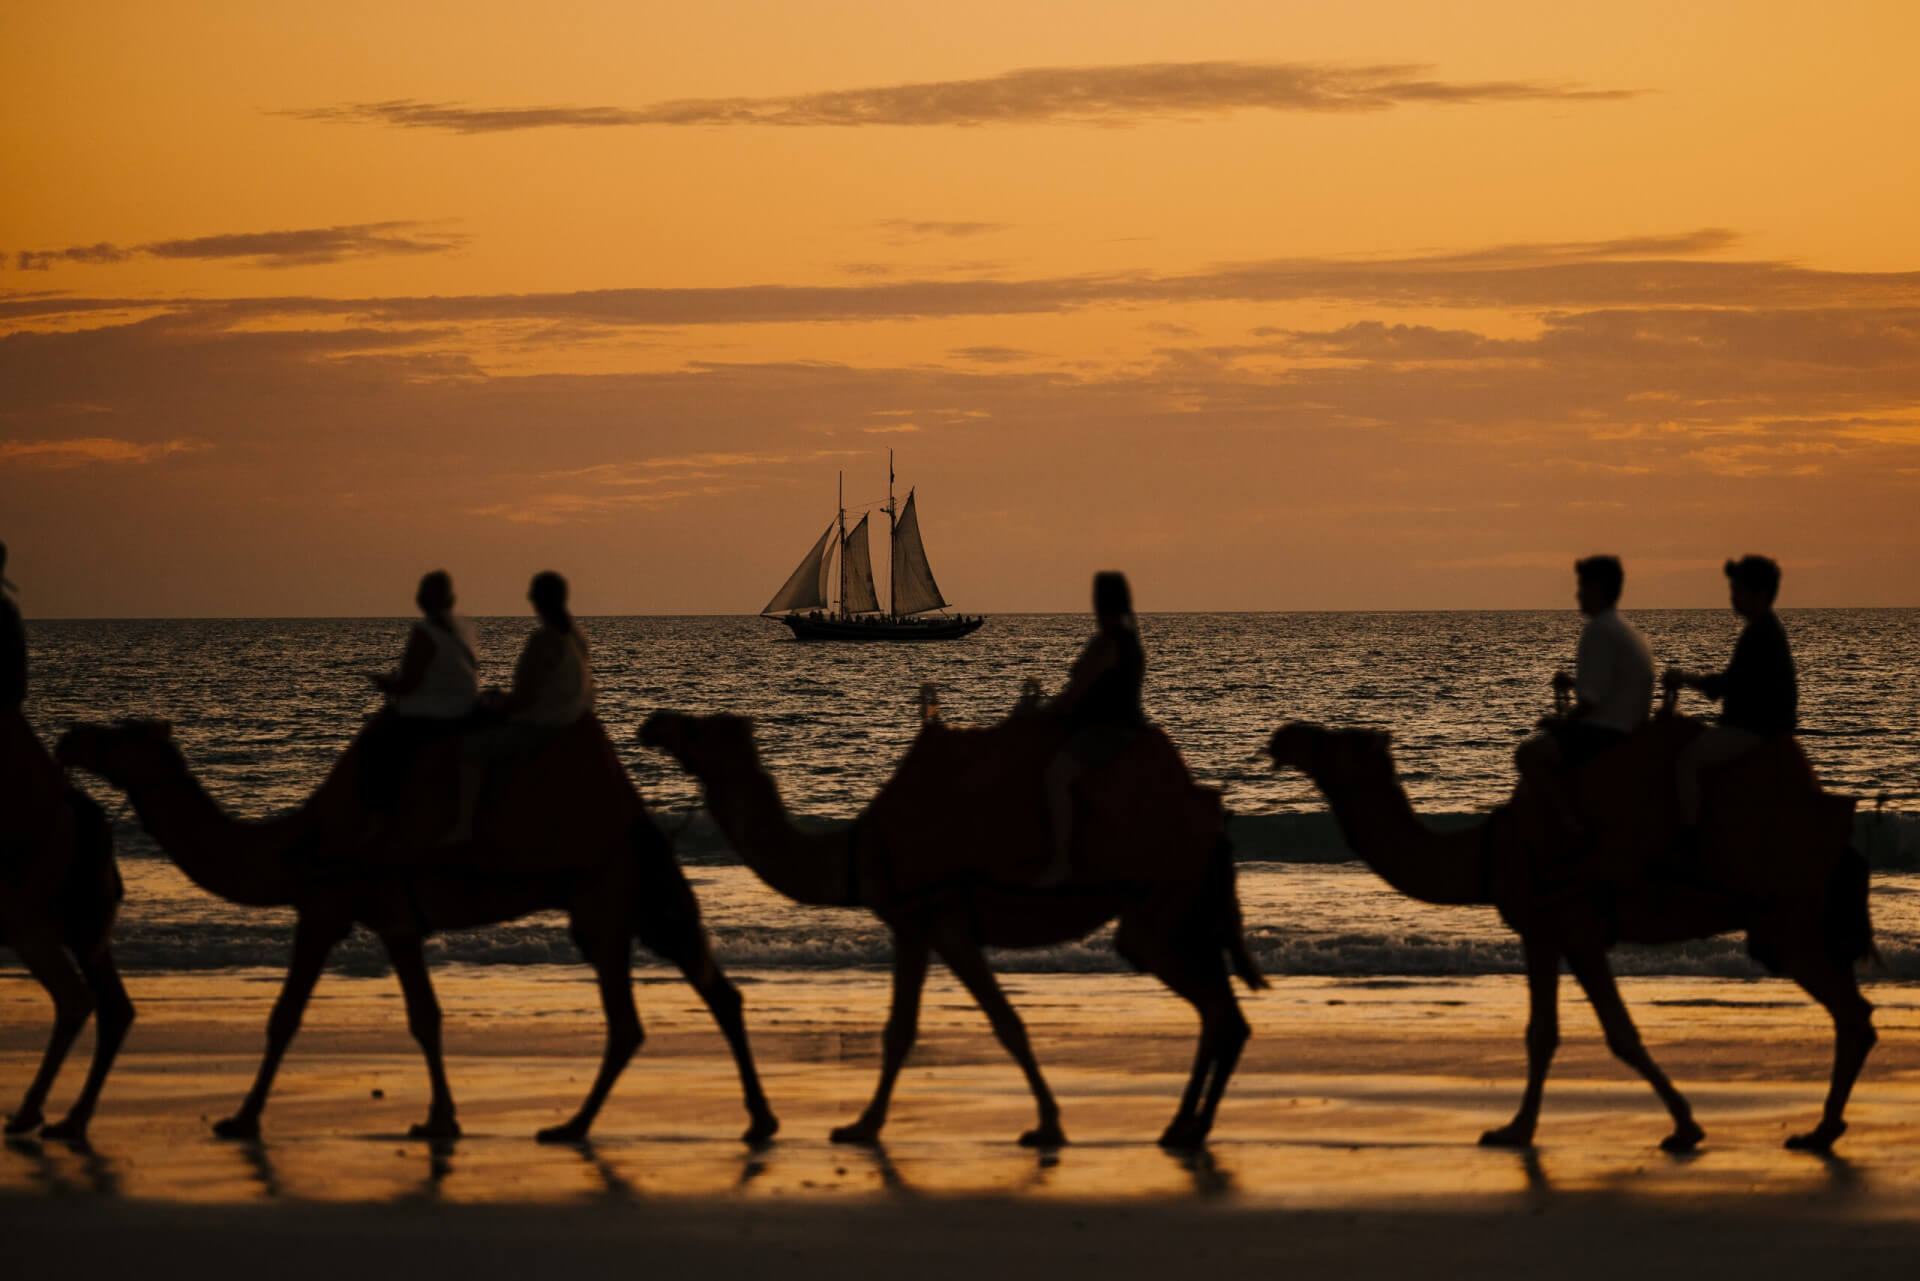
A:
(1848, 924)
(1231, 926)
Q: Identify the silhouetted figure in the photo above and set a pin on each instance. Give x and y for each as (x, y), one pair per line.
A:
(942, 857)
(59, 893)
(1759, 690)
(1101, 710)
(432, 695)
(13, 644)
(1806, 918)
(552, 689)
(570, 833)
(1612, 685)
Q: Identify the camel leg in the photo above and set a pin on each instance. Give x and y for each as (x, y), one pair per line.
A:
(312, 940)
(1623, 1038)
(1835, 987)
(1543, 1038)
(113, 1017)
(1223, 1034)
(964, 958)
(48, 962)
(909, 975)
(612, 961)
(723, 1001)
(408, 954)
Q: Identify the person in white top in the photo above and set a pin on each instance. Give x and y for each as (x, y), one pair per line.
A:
(552, 689)
(438, 677)
(432, 694)
(1612, 685)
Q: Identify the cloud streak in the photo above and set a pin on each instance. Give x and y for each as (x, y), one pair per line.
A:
(83, 451)
(1116, 95)
(305, 247)
(1632, 273)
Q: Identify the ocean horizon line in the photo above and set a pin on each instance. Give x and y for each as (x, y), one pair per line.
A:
(989, 613)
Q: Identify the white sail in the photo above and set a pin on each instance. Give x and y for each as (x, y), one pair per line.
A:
(806, 587)
(914, 591)
(860, 598)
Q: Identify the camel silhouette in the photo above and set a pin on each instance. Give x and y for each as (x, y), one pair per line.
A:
(1812, 931)
(568, 833)
(917, 860)
(59, 894)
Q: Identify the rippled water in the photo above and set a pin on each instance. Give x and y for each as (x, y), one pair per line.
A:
(263, 707)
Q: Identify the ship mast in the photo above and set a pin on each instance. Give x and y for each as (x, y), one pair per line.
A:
(843, 543)
(890, 584)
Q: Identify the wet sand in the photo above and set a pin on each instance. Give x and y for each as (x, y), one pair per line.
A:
(1346, 1141)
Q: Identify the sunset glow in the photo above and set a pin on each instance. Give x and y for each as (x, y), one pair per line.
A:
(1394, 305)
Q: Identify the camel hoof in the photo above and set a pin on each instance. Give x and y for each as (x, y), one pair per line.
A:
(762, 1130)
(1685, 1138)
(571, 1132)
(435, 1129)
(71, 1130)
(1819, 1139)
(1507, 1136)
(25, 1121)
(237, 1127)
(1044, 1136)
(1183, 1138)
(859, 1132)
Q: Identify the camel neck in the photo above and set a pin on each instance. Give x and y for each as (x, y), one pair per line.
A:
(242, 862)
(807, 867)
(1380, 826)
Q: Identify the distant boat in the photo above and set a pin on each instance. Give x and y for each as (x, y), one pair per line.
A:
(855, 615)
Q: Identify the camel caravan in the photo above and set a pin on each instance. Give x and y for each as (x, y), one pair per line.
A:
(455, 808)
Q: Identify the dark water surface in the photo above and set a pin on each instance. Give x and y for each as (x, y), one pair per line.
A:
(262, 708)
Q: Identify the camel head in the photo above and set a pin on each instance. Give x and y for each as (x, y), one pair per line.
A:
(119, 752)
(705, 745)
(1333, 755)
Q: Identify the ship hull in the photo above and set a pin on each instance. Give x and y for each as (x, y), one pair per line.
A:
(826, 628)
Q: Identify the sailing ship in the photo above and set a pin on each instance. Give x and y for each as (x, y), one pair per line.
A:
(804, 605)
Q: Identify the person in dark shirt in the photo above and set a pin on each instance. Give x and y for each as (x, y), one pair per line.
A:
(1759, 693)
(1100, 708)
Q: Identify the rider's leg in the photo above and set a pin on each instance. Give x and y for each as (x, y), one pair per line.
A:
(1062, 772)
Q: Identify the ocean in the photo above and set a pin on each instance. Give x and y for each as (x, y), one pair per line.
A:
(262, 708)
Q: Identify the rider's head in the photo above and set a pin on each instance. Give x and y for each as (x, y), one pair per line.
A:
(1112, 599)
(435, 593)
(1753, 581)
(1600, 579)
(4, 584)
(549, 596)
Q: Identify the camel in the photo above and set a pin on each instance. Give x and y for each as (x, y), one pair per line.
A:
(610, 870)
(59, 894)
(1812, 931)
(1179, 919)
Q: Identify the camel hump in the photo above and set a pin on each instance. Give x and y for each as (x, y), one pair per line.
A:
(561, 800)
(971, 804)
(1766, 825)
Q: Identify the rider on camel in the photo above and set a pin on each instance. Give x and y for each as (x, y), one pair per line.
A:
(1758, 692)
(1612, 684)
(1100, 708)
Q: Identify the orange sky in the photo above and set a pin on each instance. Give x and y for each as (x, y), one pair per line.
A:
(1393, 305)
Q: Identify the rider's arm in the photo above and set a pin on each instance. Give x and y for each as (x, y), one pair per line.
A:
(413, 665)
(1594, 672)
(1095, 661)
(530, 674)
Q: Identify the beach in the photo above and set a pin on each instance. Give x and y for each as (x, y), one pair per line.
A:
(1349, 1129)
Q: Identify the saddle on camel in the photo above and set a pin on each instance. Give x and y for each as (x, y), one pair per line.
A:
(1139, 817)
(517, 825)
(1769, 834)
